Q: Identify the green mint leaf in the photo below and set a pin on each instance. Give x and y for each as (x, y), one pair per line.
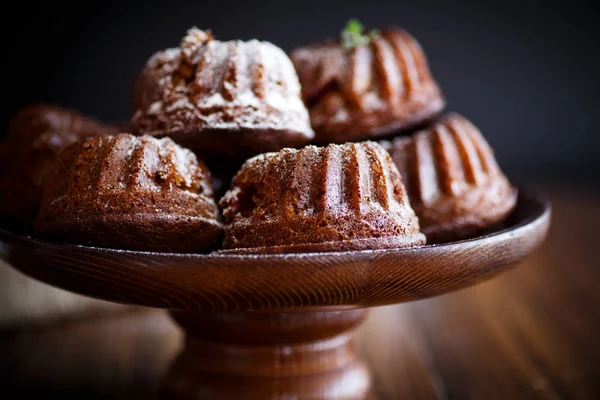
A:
(354, 26)
(353, 35)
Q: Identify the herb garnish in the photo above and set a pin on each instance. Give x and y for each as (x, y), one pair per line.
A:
(353, 35)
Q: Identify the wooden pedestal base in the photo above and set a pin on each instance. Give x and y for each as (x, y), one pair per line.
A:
(251, 355)
(304, 355)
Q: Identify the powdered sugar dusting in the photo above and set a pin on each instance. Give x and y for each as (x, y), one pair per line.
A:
(164, 57)
(318, 194)
(371, 90)
(192, 42)
(210, 84)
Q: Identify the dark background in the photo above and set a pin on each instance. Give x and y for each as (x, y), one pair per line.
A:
(525, 72)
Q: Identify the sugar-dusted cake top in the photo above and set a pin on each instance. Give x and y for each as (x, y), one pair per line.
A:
(206, 84)
(367, 88)
(339, 193)
(452, 177)
(133, 192)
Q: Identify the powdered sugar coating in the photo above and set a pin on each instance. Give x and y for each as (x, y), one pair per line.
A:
(206, 84)
(131, 192)
(453, 180)
(371, 90)
(339, 193)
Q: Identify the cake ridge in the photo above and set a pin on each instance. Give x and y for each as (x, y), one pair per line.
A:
(130, 192)
(231, 75)
(451, 177)
(371, 90)
(381, 192)
(365, 178)
(391, 48)
(391, 75)
(333, 181)
(306, 182)
(207, 91)
(333, 193)
(407, 62)
(424, 164)
(257, 71)
(453, 180)
(354, 178)
(118, 151)
(222, 66)
(471, 164)
(124, 162)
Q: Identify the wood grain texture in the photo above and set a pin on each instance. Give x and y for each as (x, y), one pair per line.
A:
(303, 355)
(284, 283)
(531, 333)
(299, 344)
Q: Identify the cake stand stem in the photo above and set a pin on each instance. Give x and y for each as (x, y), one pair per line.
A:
(268, 355)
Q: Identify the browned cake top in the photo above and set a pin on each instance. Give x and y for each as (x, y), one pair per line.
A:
(37, 134)
(452, 176)
(318, 194)
(128, 174)
(369, 90)
(51, 128)
(130, 192)
(209, 84)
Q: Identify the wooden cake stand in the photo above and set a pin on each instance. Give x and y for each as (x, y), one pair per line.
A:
(276, 326)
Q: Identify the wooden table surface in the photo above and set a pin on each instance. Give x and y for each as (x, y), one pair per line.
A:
(533, 332)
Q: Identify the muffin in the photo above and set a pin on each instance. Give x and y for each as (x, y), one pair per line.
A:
(334, 198)
(454, 183)
(367, 88)
(37, 134)
(236, 98)
(129, 192)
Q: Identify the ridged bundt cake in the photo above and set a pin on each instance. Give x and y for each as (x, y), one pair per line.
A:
(454, 183)
(334, 198)
(37, 134)
(381, 86)
(233, 97)
(130, 192)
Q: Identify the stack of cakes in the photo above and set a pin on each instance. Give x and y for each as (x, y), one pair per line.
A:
(391, 170)
(378, 86)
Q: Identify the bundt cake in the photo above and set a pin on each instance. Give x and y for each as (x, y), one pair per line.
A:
(366, 88)
(231, 97)
(334, 198)
(453, 181)
(37, 134)
(130, 192)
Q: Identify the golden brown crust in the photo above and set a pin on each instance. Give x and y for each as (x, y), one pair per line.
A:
(130, 192)
(224, 96)
(37, 134)
(454, 183)
(325, 199)
(370, 91)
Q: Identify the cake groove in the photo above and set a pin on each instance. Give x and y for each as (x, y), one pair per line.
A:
(130, 192)
(454, 183)
(227, 97)
(368, 91)
(321, 198)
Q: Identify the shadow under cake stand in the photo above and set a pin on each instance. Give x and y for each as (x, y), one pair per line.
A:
(276, 326)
